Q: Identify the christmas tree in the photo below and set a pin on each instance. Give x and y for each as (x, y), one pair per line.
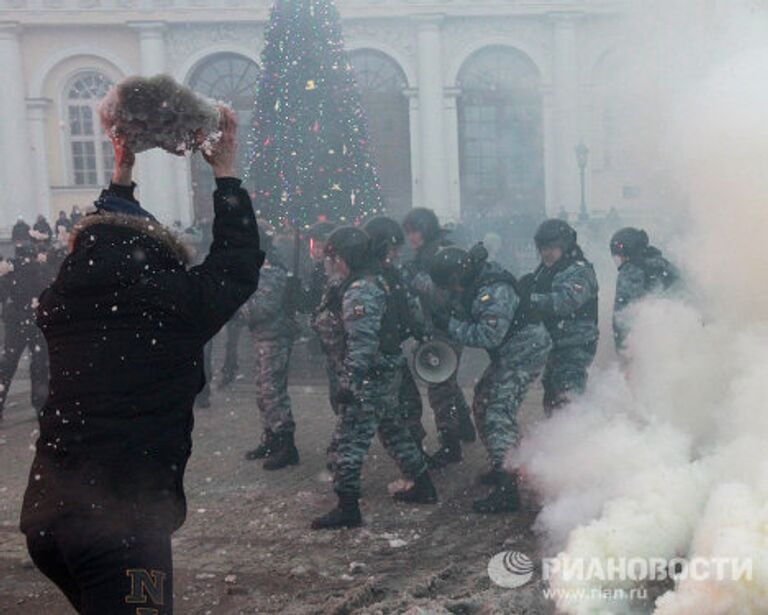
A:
(310, 157)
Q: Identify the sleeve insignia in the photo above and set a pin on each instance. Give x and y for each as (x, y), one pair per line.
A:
(359, 310)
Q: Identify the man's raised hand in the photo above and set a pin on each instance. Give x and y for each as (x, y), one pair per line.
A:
(222, 155)
(124, 161)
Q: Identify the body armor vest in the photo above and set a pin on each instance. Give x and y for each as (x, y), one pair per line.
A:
(543, 279)
(524, 315)
(390, 332)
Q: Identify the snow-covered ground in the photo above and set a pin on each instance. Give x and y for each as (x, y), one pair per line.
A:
(246, 546)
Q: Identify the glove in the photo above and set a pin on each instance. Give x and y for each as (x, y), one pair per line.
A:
(345, 397)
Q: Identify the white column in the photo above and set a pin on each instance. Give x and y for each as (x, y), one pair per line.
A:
(413, 112)
(158, 178)
(37, 116)
(17, 197)
(566, 133)
(434, 192)
(451, 147)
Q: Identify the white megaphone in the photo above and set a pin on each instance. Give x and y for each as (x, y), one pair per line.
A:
(435, 361)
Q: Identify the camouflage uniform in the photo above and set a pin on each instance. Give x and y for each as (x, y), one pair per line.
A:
(412, 325)
(371, 367)
(637, 278)
(328, 324)
(565, 295)
(272, 330)
(446, 399)
(518, 347)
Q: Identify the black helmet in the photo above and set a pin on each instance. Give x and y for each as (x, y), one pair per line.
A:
(384, 233)
(351, 245)
(630, 242)
(555, 232)
(453, 265)
(424, 221)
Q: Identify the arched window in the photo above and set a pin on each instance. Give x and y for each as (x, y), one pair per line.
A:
(382, 84)
(91, 156)
(501, 136)
(233, 79)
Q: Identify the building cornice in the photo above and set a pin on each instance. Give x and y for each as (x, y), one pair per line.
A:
(83, 12)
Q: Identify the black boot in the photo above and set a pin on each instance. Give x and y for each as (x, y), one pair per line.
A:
(504, 498)
(449, 452)
(346, 514)
(491, 478)
(284, 452)
(422, 492)
(467, 431)
(264, 449)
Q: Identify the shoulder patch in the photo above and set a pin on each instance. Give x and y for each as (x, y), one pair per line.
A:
(359, 310)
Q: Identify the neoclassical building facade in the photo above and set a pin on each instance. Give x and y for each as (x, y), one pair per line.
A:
(475, 107)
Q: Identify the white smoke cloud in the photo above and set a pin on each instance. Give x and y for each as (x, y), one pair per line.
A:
(670, 461)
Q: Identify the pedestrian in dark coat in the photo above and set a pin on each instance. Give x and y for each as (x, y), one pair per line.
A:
(43, 229)
(22, 280)
(20, 231)
(126, 322)
(63, 223)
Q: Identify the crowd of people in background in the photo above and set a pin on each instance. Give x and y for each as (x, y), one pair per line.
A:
(41, 230)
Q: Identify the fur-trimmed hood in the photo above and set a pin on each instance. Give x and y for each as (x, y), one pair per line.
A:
(152, 229)
(110, 251)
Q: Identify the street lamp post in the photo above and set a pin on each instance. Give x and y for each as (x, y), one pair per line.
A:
(582, 157)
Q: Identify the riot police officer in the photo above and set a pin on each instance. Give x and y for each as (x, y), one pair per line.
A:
(273, 328)
(564, 291)
(451, 410)
(364, 323)
(489, 311)
(386, 240)
(642, 270)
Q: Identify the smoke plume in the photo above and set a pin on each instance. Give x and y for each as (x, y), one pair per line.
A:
(668, 459)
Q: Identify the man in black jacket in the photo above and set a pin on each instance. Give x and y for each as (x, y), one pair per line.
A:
(21, 282)
(126, 323)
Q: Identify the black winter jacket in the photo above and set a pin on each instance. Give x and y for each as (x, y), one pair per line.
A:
(126, 322)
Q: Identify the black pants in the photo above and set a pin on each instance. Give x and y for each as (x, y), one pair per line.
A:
(107, 572)
(21, 332)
